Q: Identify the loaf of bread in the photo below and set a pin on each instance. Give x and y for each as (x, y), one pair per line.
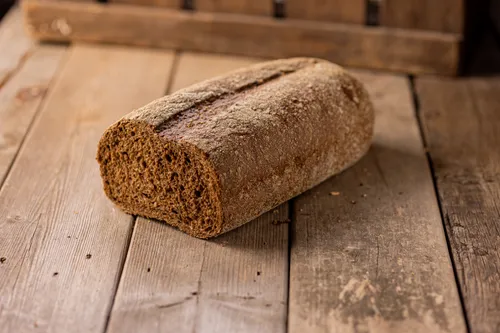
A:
(216, 155)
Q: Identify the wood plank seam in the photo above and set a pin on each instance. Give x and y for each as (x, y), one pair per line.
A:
(461, 124)
(11, 73)
(12, 33)
(291, 237)
(411, 51)
(372, 255)
(170, 80)
(50, 280)
(50, 85)
(236, 281)
(120, 272)
(416, 105)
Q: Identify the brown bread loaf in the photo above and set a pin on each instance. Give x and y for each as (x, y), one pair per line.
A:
(216, 155)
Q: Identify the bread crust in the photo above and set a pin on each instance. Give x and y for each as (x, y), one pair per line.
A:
(269, 132)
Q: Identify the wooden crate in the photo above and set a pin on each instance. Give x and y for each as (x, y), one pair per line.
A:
(410, 36)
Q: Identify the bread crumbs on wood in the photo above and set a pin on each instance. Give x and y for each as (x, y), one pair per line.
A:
(278, 222)
(214, 156)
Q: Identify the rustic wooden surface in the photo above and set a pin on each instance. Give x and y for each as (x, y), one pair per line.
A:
(26, 71)
(372, 237)
(62, 243)
(442, 15)
(157, 3)
(365, 251)
(372, 47)
(251, 7)
(461, 120)
(353, 11)
(15, 45)
(237, 283)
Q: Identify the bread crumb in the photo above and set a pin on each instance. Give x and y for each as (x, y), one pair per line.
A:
(364, 195)
(55, 274)
(335, 193)
(88, 256)
(353, 202)
(278, 222)
(2, 260)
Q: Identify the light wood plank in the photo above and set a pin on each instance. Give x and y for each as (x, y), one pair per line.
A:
(14, 43)
(62, 240)
(461, 120)
(250, 7)
(176, 283)
(350, 11)
(374, 257)
(157, 3)
(442, 15)
(205, 66)
(21, 97)
(373, 47)
(25, 75)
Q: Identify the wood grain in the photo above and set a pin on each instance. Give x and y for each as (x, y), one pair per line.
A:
(461, 121)
(250, 7)
(14, 43)
(21, 97)
(373, 257)
(196, 67)
(443, 15)
(353, 11)
(62, 241)
(25, 75)
(176, 283)
(392, 49)
(177, 4)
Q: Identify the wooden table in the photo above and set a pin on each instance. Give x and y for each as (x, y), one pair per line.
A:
(406, 240)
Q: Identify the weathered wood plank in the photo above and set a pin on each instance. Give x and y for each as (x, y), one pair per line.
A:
(461, 120)
(21, 97)
(205, 66)
(176, 283)
(373, 257)
(26, 73)
(157, 3)
(62, 242)
(442, 15)
(351, 11)
(393, 49)
(14, 43)
(250, 7)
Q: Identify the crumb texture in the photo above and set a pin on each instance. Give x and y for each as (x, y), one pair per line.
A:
(218, 154)
(151, 177)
